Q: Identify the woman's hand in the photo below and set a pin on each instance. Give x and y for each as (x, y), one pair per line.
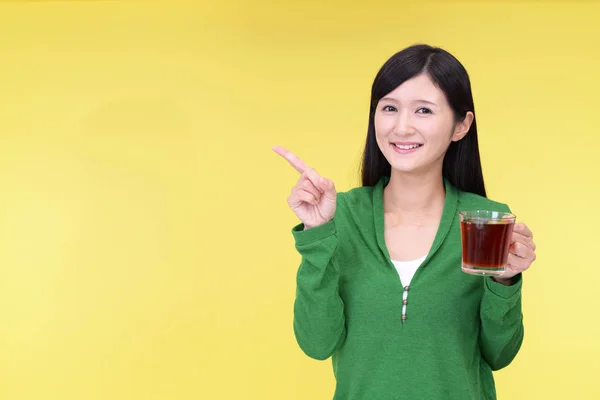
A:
(521, 253)
(313, 198)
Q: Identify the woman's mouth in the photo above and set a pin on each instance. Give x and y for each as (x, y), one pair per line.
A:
(405, 147)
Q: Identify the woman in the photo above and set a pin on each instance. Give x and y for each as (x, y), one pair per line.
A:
(380, 286)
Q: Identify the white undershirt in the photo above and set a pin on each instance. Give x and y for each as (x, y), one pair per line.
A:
(406, 271)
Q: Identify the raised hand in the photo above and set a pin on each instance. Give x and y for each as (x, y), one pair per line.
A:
(313, 198)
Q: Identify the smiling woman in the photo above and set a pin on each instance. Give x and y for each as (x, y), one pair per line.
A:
(422, 95)
(365, 250)
(407, 124)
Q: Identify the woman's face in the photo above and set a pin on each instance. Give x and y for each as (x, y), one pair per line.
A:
(414, 126)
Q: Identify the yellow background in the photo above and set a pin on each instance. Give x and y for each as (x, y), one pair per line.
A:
(145, 250)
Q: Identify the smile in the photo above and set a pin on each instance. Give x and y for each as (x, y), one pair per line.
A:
(404, 148)
(407, 146)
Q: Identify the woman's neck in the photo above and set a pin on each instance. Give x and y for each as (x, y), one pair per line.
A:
(412, 199)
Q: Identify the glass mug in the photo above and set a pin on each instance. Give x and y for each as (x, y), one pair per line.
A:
(486, 238)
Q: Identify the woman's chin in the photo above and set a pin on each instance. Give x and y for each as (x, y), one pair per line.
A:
(405, 168)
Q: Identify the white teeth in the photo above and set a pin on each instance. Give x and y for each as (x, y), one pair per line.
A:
(407, 147)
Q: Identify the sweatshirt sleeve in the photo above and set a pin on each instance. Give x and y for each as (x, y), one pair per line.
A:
(501, 332)
(319, 322)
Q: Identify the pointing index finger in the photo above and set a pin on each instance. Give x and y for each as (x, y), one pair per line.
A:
(293, 159)
(300, 166)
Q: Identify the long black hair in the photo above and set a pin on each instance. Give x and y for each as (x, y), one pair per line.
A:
(462, 163)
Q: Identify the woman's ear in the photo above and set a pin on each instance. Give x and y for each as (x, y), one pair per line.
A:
(462, 128)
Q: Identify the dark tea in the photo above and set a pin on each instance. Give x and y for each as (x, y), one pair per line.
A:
(486, 238)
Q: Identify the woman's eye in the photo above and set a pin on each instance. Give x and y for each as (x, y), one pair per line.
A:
(424, 110)
(389, 108)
